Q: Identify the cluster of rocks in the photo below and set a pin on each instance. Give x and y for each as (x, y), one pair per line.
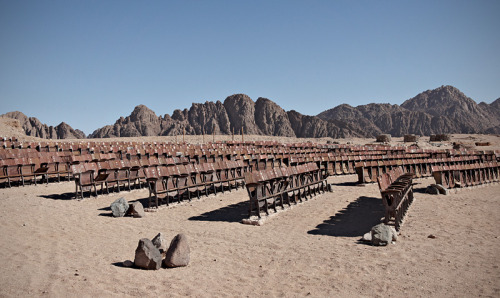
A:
(381, 235)
(121, 208)
(152, 254)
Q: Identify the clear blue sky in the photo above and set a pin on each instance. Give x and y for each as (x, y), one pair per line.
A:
(89, 62)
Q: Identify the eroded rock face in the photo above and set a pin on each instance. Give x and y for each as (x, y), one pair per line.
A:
(208, 118)
(240, 110)
(33, 127)
(271, 119)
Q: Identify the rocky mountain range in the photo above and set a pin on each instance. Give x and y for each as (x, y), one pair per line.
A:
(33, 127)
(442, 110)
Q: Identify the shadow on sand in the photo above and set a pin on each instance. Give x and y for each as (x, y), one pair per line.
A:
(231, 213)
(60, 196)
(353, 221)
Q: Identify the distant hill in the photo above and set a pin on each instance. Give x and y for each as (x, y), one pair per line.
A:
(442, 110)
(263, 117)
(34, 128)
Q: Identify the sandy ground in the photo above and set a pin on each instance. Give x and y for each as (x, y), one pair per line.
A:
(55, 246)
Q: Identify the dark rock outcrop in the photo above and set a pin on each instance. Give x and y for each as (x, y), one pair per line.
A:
(241, 112)
(33, 127)
(271, 119)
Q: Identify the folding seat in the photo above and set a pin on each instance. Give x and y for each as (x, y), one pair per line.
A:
(122, 173)
(13, 171)
(295, 185)
(183, 182)
(438, 174)
(344, 165)
(254, 182)
(195, 182)
(468, 175)
(84, 180)
(286, 185)
(338, 165)
(477, 174)
(155, 184)
(97, 177)
(41, 168)
(301, 182)
(3, 172)
(372, 170)
(494, 170)
(171, 181)
(136, 174)
(106, 172)
(208, 177)
(27, 169)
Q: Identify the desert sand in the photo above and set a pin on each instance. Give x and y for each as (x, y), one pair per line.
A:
(55, 246)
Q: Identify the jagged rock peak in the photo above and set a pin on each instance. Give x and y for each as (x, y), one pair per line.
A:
(141, 113)
(272, 119)
(240, 110)
(439, 100)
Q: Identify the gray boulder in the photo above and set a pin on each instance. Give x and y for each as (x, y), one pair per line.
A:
(136, 210)
(119, 207)
(383, 234)
(178, 252)
(147, 256)
(160, 242)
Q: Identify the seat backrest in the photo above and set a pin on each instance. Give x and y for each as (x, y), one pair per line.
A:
(150, 172)
(384, 181)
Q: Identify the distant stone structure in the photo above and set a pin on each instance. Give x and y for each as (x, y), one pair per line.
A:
(384, 138)
(410, 138)
(440, 138)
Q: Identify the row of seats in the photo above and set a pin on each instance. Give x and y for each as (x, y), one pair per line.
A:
(396, 189)
(56, 164)
(369, 171)
(161, 178)
(275, 187)
(454, 176)
(185, 181)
